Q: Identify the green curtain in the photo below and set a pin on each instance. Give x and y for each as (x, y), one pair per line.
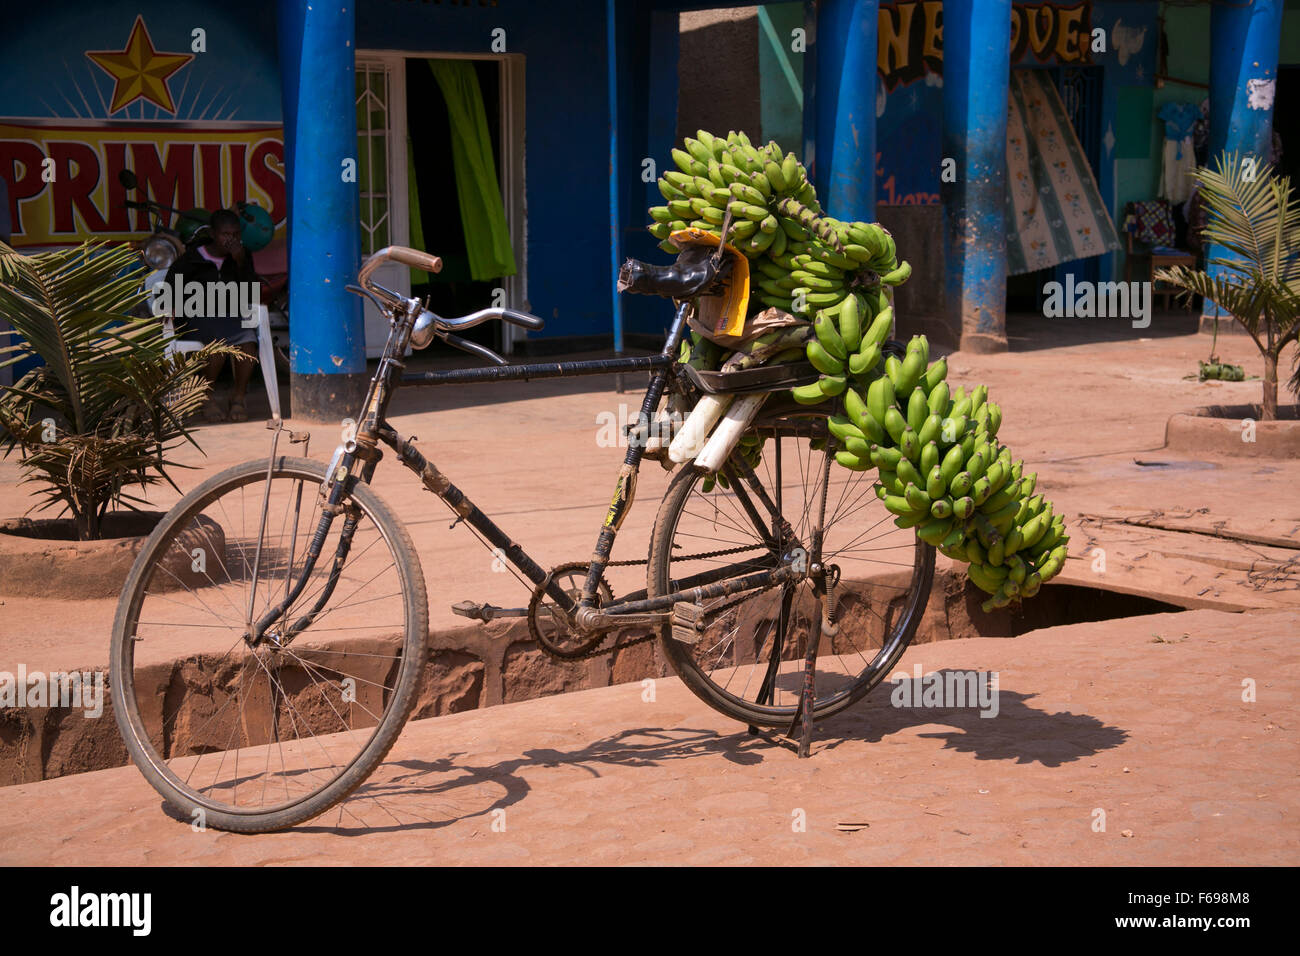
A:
(416, 224)
(487, 239)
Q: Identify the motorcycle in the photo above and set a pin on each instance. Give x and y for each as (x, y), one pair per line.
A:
(164, 245)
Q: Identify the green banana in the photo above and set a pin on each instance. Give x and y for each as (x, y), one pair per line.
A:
(909, 372)
(917, 498)
(822, 360)
(850, 326)
(934, 377)
(860, 363)
(809, 394)
(951, 465)
(880, 396)
(843, 428)
(917, 410)
(934, 484)
(858, 413)
(887, 459)
(880, 325)
(829, 337)
(851, 461)
(895, 423)
(929, 456)
(931, 428)
(935, 530)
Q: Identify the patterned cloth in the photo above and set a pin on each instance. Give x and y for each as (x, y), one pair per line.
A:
(1150, 222)
(1055, 212)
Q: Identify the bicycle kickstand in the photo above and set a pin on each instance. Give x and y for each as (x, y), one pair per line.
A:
(824, 623)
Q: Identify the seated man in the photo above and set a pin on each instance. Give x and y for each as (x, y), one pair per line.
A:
(222, 259)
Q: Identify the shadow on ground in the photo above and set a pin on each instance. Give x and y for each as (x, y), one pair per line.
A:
(1031, 331)
(413, 794)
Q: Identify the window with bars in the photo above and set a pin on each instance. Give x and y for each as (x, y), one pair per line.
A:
(372, 155)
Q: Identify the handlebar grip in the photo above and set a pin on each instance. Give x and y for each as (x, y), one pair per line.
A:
(523, 319)
(414, 258)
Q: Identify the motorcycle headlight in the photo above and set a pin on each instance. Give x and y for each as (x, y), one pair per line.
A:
(159, 253)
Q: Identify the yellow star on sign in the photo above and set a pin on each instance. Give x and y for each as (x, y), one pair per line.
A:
(140, 71)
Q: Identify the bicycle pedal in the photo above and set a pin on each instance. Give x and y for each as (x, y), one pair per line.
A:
(688, 622)
(486, 612)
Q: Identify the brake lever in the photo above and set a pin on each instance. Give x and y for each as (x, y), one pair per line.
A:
(358, 290)
(465, 345)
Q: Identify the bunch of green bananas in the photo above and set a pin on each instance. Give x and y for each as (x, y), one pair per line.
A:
(942, 471)
(846, 343)
(806, 260)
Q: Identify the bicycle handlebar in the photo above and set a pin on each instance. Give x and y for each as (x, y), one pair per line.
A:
(403, 254)
(521, 319)
(428, 325)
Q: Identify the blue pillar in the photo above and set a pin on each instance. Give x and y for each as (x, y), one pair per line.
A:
(844, 155)
(976, 78)
(326, 334)
(615, 247)
(1244, 43)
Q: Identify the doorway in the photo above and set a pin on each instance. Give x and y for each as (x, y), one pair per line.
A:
(408, 185)
(1286, 121)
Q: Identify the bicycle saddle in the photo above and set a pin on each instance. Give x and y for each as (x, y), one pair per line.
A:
(694, 273)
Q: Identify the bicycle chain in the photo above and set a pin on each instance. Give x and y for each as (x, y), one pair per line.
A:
(633, 562)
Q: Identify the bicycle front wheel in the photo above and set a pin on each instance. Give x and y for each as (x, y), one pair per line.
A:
(259, 736)
(748, 662)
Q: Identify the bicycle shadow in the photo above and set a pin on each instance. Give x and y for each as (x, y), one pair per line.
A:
(438, 793)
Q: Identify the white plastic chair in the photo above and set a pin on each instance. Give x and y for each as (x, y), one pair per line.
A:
(266, 356)
(178, 346)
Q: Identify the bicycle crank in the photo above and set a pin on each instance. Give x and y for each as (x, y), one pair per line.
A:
(549, 625)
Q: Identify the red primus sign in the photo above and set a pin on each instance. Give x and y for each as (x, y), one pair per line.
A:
(63, 186)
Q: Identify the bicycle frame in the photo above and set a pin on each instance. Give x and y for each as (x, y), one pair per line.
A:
(356, 460)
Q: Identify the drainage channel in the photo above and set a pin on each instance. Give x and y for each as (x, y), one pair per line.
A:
(39, 743)
(954, 611)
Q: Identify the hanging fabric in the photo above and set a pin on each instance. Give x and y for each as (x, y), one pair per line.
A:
(487, 239)
(1054, 210)
(1178, 158)
(416, 224)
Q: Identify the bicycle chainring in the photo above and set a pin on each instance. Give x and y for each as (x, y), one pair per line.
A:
(547, 626)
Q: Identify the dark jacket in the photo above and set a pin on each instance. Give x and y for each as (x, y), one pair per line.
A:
(193, 266)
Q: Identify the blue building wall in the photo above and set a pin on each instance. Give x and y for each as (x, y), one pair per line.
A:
(566, 139)
(910, 81)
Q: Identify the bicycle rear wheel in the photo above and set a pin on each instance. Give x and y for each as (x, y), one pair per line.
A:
(749, 660)
(256, 738)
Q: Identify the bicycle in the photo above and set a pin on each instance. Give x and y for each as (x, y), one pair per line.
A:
(306, 619)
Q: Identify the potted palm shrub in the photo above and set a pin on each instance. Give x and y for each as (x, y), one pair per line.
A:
(1252, 213)
(104, 410)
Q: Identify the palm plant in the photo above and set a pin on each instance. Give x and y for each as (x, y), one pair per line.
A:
(1253, 214)
(110, 402)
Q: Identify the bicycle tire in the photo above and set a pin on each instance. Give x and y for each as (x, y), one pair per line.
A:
(131, 722)
(685, 664)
